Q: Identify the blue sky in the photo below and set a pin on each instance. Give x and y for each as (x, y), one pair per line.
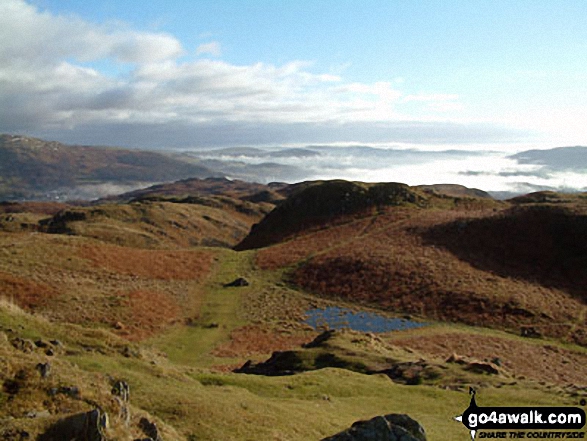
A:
(216, 73)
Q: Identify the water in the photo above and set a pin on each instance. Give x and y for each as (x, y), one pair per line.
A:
(344, 318)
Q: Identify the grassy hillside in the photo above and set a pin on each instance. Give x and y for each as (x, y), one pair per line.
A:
(189, 213)
(456, 259)
(125, 291)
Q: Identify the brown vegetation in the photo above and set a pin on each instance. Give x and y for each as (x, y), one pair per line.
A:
(456, 261)
(259, 340)
(24, 292)
(153, 264)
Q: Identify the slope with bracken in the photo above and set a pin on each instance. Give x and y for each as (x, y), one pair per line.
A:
(468, 260)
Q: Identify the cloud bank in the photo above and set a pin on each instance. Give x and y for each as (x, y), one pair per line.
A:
(68, 79)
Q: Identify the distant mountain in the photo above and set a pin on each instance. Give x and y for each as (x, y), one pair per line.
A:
(455, 190)
(560, 158)
(31, 168)
(252, 152)
(195, 187)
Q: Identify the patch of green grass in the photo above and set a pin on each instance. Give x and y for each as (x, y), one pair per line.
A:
(220, 313)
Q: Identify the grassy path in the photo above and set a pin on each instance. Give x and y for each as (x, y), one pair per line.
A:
(219, 315)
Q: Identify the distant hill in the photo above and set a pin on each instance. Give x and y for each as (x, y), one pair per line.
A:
(196, 187)
(31, 168)
(253, 152)
(560, 158)
(455, 190)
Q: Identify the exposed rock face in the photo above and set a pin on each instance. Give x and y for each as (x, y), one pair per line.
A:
(87, 426)
(392, 427)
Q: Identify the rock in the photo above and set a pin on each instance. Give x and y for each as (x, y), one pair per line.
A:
(482, 367)
(320, 339)
(530, 332)
(150, 429)
(459, 359)
(392, 427)
(121, 390)
(411, 372)
(70, 391)
(24, 345)
(240, 282)
(44, 369)
(496, 361)
(41, 414)
(87, 426)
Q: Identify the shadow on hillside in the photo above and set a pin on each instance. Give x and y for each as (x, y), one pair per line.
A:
(546, 245)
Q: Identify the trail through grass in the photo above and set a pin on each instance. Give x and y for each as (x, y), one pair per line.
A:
(191, 344)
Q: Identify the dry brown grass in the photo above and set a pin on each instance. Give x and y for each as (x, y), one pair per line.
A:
(549, 363)
(26, 293)
(260, 340)
(388, 261)
(154, 264)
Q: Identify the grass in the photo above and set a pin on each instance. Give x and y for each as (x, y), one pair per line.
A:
(175, 375)
(220, 313)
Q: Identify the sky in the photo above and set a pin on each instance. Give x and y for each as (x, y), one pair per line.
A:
(192, 74)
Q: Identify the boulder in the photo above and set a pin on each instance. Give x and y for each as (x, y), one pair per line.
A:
(240, 282)
(24, 345)
(87, 426)
(44, 369)
(150, 429)
(392, 427)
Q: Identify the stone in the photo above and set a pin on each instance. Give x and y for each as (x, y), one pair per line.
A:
(70, 391)
(122, 390)
(24, 345)
(530, 332)
(239, 282)
(150, 429)
(89, 426)
(44, 369)
(482, 367)
(392, 427)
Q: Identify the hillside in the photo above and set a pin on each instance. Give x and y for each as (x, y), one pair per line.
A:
(184, 214)
(451, 259)
(137, 308)
(31, 168)
(316, 204)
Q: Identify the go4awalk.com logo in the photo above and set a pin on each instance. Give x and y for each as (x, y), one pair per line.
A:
(523, 422)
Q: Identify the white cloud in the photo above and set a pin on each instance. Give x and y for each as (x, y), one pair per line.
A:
(213, 48)
(51, 77)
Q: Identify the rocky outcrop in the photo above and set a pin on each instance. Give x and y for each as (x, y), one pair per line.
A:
(87, 426)
(392, 427)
